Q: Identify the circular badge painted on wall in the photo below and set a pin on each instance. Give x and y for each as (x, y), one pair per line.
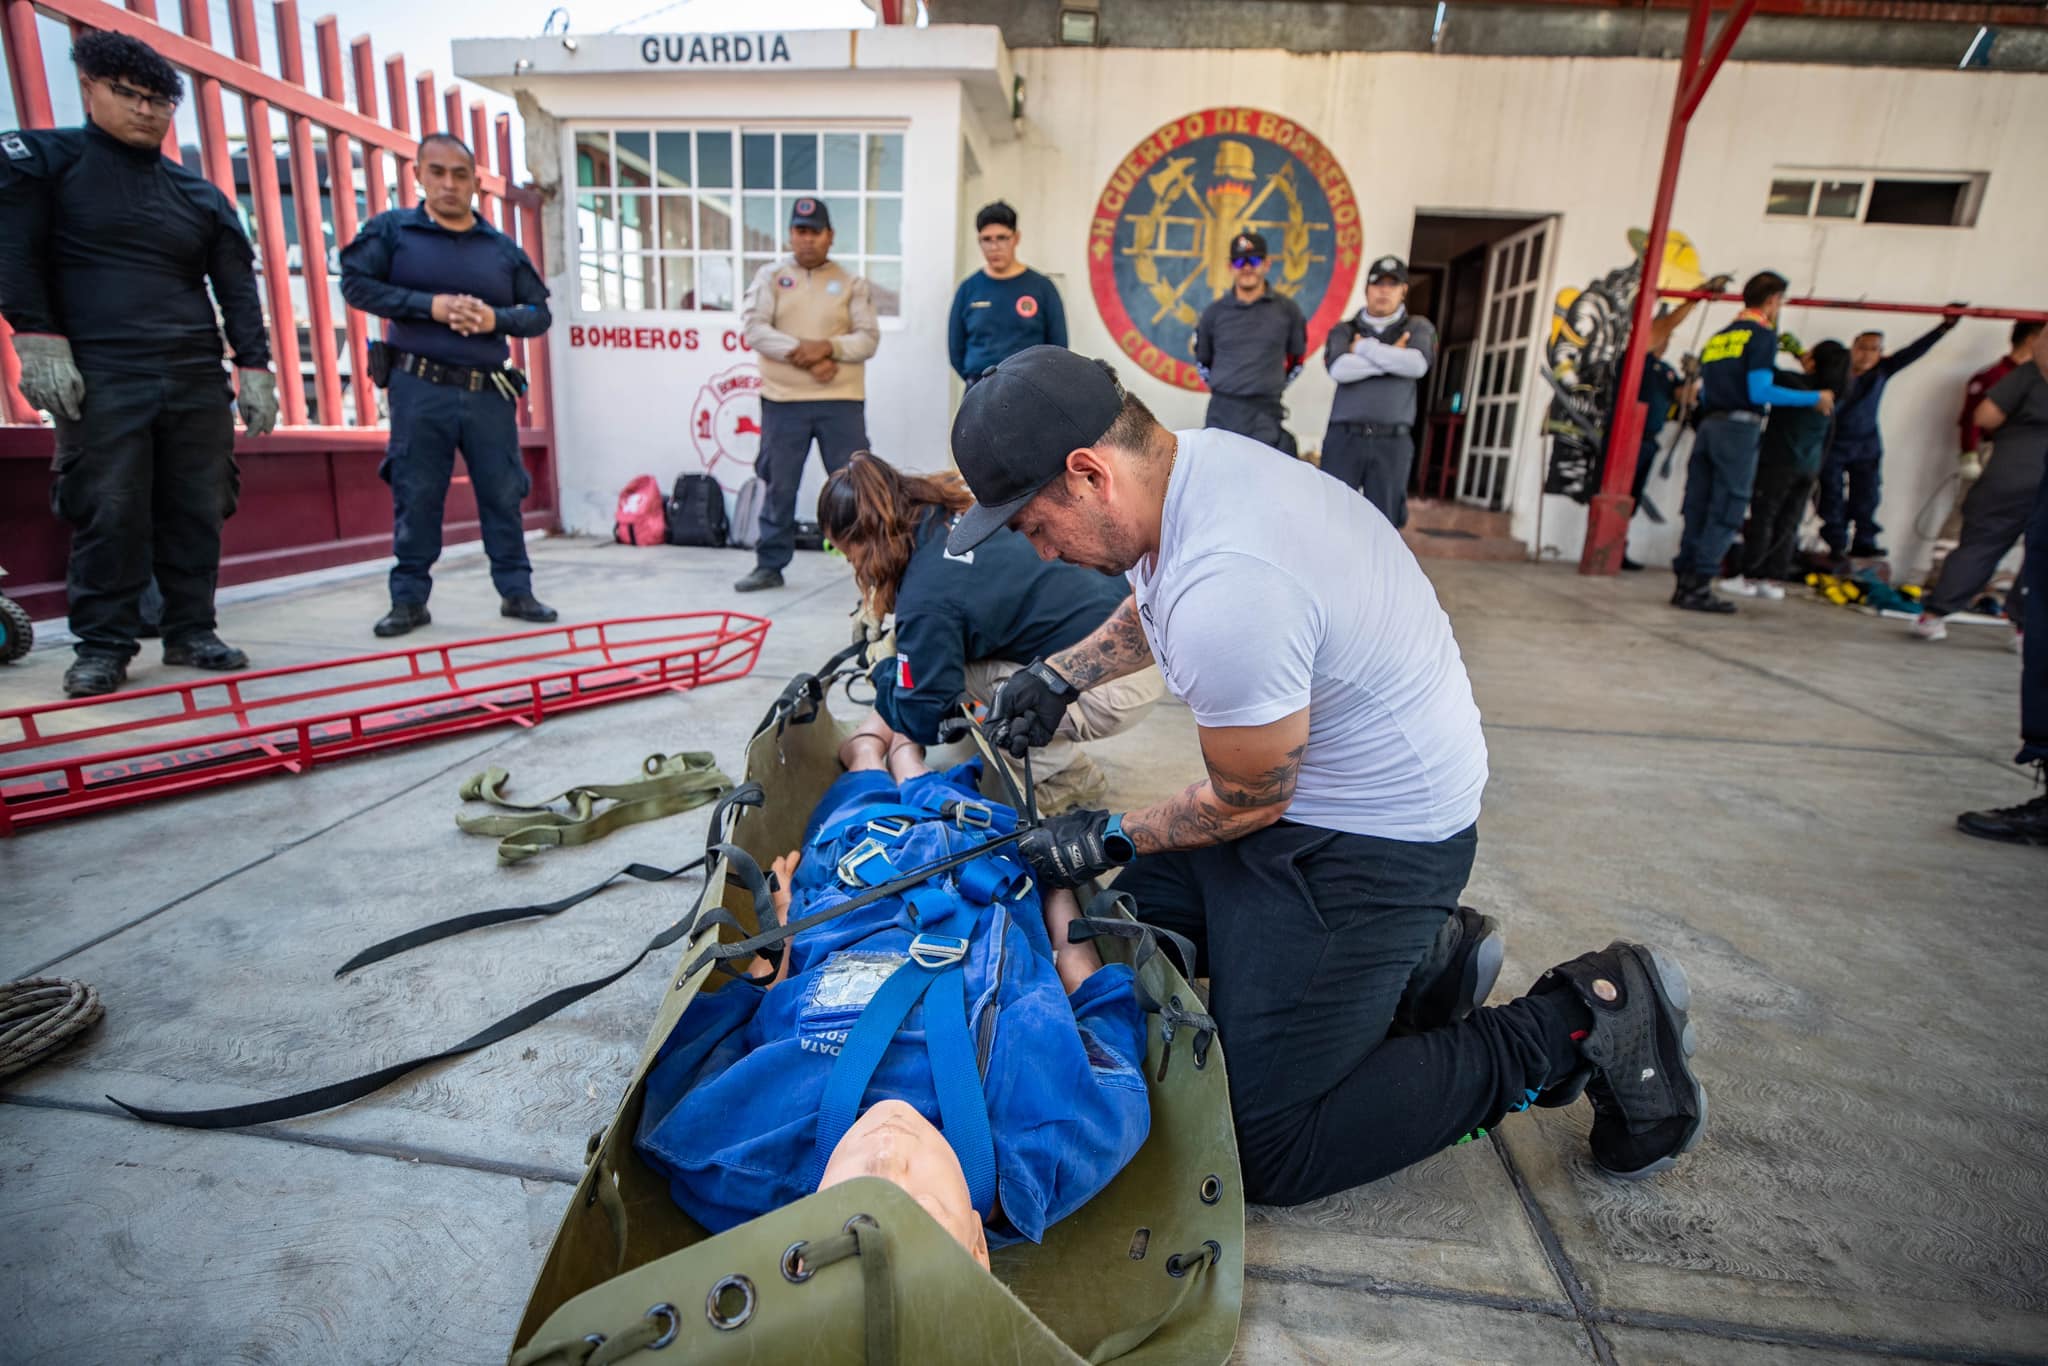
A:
(1159, 239)
(725, 425)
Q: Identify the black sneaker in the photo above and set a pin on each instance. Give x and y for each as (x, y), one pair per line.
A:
(95, 676)
(2026, 823)
(1631, 566)
(1457, 976)
(1648, 1107)
(761, 578)
(1695, 596)
(525, 607)
(204, 651)
(403, 617)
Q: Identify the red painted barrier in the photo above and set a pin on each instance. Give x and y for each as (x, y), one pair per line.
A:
(310, 492)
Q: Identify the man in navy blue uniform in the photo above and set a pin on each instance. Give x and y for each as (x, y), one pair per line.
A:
(106, 251)
(1005, 306)
(453, 289)
(1737, 387)
(1856, 456)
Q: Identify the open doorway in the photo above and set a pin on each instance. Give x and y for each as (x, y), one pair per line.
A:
(1483, 278)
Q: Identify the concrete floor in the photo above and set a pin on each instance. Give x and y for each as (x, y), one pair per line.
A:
(1770, 796)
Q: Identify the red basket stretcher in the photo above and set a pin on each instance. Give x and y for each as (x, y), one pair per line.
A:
(59, 760)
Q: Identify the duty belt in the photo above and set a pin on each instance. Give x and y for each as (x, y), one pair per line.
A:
(1753, 418)
(1378, 428)
(460, 376)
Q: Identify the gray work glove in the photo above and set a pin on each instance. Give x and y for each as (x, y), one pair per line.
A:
(257, 400)
(49, 377)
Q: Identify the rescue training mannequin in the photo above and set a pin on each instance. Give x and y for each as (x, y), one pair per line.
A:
(750, 1089)
(964, 623)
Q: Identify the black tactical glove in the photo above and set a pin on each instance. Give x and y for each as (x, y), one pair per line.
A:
(1028, 707)
(1074, 846)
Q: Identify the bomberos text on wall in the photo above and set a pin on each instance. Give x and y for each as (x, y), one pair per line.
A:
(710, 49)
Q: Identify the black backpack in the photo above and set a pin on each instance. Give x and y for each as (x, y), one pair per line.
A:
(696, 511)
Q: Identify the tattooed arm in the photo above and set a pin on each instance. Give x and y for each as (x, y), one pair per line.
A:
(1252, 770)
(1113, 649)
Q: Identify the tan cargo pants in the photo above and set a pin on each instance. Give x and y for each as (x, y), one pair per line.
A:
(1102, 711)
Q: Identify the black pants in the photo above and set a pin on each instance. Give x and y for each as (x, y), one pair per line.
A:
(1257, 418)
(145, 477)
(1855, 505)
(1995, 513)
(838, 425)
(1375, 461)
(1309, 937)
(1777, 505)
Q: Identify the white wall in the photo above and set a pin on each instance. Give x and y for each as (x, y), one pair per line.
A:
(1583, 138)
(624, 412)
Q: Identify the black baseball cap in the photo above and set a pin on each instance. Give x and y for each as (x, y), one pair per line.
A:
(1248, 244)
(810, 213)
(1387, 268)
(1016, 427)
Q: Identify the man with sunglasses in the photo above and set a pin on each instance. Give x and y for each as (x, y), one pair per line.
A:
(1249, 345)
(106, 251)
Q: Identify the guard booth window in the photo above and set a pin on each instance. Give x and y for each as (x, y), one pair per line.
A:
(680, 219)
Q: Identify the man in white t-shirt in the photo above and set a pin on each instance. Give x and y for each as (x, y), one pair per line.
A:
(1318, 867)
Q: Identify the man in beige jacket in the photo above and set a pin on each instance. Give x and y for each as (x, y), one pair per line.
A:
(812, 326)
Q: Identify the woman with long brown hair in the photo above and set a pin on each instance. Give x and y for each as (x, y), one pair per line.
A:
(965, 623)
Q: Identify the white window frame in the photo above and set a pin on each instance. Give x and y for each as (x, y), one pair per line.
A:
(743, 262)
(1865, 177)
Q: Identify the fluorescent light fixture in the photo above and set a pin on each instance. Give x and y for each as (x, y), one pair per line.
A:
(1080, 25)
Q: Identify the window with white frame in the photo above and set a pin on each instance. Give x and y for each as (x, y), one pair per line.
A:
(671, 218)
(1922, 199)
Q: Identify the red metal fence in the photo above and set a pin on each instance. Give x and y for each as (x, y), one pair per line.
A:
(310, 492)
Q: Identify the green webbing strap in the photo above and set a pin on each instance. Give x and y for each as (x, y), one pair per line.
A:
(1187, 1268)
(673, 783)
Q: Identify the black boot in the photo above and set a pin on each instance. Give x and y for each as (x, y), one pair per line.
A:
(403, 617)
(2026, 823)
(204, 650)
(525, 607)
(1457, 976)
(1648, 1107)
(759, 579)
(95, 676)
(1695, 594)
(1630, 566)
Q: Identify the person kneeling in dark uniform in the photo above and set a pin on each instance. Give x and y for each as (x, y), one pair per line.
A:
(106, 249)
(454, 288)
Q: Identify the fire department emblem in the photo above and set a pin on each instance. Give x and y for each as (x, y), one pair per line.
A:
(1027, 307)
(1159, 238)
(725, 425)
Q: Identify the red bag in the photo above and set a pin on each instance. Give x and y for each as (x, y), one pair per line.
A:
(642, 519)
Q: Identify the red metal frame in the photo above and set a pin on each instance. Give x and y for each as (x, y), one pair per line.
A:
(2016, 315)
(421, 693)
(1607, 516)
(311, 497)
(1882, 11)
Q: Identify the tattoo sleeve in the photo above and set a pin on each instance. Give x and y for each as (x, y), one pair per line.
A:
(1224, 807)
(1114, 649)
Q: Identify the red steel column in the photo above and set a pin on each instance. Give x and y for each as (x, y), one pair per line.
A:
(25, 65)
(341, 182)
(312, 225)
(401, 121)
(263, 187)
(1607, 516)
(214, 156)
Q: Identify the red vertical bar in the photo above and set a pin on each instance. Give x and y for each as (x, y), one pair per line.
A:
(365, 60)
(13, 407)
(451, 106)
(263, 187)
(213, 128)
(485, 201)
(423, 86)
(540, 411)
(25, 65)
(341, 182)
(508, 223)
(401, 121)
(312, 223)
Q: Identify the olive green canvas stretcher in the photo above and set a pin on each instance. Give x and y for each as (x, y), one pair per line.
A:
(1148, 1272)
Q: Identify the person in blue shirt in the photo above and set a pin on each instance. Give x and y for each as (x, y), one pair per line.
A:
(771, 1087)
(453, 288)
(964, 623)
(1852, 481)
(1737, 388)
(1005, 306)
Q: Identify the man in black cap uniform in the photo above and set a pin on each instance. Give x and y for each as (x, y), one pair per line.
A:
(1317, 867)
(1249, 345)
(106, 251)
(1376, 357)
(812, 325)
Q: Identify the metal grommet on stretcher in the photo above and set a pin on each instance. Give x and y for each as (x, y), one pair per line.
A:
(1212, 1190)
(666, 1311)
(794, 1269)
(716, 1314)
